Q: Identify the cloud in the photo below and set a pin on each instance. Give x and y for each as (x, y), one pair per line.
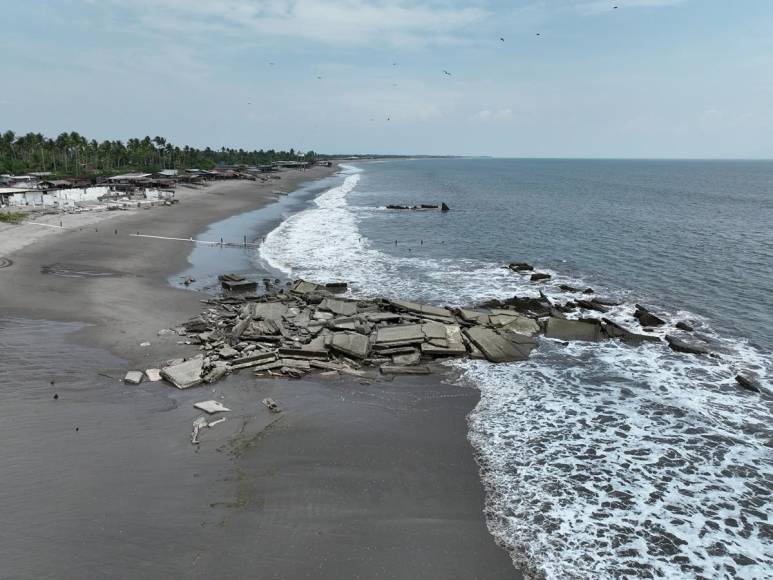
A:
(336, 22)
(487, 115)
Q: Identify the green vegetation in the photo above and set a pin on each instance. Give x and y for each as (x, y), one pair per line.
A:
(73, 154)
(11, 217)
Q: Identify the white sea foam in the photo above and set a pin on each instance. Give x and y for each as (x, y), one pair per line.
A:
(599, 461)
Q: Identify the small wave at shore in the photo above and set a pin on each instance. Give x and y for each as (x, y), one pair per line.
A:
(599, 460)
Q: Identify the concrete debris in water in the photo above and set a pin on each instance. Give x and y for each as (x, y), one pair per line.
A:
(184, 375)
(304, 328)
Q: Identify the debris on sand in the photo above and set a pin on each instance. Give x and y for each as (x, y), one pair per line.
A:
(271, 405)
(303, 327)
(211, 407)
(133, 378)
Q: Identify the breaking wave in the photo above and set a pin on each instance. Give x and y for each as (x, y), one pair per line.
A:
(599, 460)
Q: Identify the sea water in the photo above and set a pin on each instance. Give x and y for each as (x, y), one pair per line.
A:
(599, 460)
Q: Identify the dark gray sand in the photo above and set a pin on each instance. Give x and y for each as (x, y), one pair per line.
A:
(350, 481)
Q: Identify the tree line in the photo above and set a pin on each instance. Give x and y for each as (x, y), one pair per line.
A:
(73, 154)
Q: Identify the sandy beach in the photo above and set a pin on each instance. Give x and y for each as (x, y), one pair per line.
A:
(351, 481)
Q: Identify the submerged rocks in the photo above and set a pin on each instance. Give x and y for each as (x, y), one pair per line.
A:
(540, 276)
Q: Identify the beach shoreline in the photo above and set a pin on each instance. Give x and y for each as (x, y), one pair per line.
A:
(352, 480)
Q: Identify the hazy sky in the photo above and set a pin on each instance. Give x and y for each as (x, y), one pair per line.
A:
(653, 78)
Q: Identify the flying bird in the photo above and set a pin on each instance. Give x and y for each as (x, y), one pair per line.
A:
(502, 39)
(447, 73)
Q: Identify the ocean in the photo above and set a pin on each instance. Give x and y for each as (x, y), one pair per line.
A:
(599, 460)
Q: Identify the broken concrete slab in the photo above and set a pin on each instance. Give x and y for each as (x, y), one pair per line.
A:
(395, 350)
(196, 324)
(562, 329)
(646, 318)
(684, 346)
(153, 375)
(381, 317)
(497, 348)
(184, 375)
(407, 370)
(255, 357)
(292, 363)
(304, 353)
(350, 343)
(211, 407)
(592, 305)
(402, 334)
(434, 331)
(240, 286)
(239, 328)
(303, 288)
(473, 316)
(453, 350)
(520, 324)
(748, 383)
(269, 366)
(269, 310)
(133, 377)
(407, 359)
(421, 309)
(215, 373)
(615, 330)
(228, 352)
(339, 307)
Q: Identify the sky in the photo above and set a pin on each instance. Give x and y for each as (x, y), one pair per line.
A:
(572, 78)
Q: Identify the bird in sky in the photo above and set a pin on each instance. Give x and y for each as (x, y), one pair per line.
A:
(502, 39)
(447, 73)
(272, 63)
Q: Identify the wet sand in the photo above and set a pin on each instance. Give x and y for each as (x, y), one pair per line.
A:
(350, 481)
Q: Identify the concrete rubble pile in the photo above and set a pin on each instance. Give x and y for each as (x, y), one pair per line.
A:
(308, 328)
